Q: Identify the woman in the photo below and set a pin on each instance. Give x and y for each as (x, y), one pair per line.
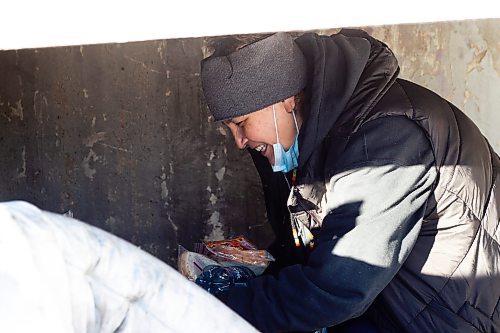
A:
(393, 192)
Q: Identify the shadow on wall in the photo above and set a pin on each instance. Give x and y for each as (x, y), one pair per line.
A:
(118, 135)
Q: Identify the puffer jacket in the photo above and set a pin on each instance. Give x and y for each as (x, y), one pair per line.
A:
(58, 274)
(451, 280)
(399, 190)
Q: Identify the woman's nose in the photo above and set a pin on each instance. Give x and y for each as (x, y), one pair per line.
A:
(240, 139)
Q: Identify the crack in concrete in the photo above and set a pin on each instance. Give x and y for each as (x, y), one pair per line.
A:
(143, 65)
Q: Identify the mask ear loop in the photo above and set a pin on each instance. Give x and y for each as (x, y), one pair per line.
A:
(276, 125)
(295, 120)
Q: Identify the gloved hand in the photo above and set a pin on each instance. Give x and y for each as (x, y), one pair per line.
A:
(216, 279)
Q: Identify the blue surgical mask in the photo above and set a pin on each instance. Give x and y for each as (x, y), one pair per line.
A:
(285, 161)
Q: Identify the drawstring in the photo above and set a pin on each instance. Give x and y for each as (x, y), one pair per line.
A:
(294, 179)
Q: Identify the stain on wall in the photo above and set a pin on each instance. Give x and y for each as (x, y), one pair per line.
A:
(118, 135)
(458, 60)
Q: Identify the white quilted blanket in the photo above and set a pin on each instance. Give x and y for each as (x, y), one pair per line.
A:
(61, 275)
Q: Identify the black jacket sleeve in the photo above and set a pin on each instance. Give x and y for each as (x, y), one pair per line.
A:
(374, 206)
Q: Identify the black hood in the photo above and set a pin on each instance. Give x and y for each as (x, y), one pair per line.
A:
(348, 74)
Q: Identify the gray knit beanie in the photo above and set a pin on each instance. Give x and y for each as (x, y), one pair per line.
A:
(253, 77)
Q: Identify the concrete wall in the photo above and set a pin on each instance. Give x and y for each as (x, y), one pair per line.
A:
(119, 136)
(458, 60)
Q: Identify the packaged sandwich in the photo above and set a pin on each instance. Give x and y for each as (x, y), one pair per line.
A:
(237, 251)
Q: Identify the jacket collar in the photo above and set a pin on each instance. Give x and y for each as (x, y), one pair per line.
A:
(348, 73)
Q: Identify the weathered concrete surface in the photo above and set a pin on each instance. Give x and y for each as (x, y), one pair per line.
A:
(119, 135)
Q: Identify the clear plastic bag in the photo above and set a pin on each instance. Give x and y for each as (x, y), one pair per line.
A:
(191, 264)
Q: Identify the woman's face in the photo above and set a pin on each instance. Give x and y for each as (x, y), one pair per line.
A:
(257, 130)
